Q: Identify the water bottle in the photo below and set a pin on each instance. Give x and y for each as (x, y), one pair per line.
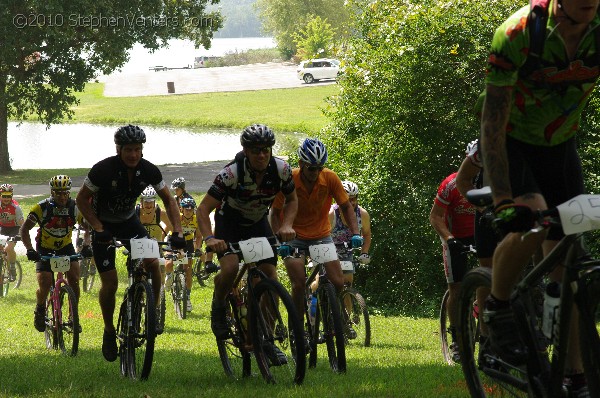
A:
(243, 318)
(551, 313)
(313, 308)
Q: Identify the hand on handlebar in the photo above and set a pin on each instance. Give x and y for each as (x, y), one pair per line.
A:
(512, 217)
(364, 258)
(284, 250)
(33, 255)
(176, 241)
(357, 241)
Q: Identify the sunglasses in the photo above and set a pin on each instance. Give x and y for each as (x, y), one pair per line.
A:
(61, 193)
(256, 151)
(315, 168)
(7, 196)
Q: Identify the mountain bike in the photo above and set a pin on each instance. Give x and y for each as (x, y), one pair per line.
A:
(136, 325)
(62, 316)
(87, 266)
(445, 337)
(5, 272)
(542, 373)
(179, 290)
(261, 315)
(327, 327)
(355, 314)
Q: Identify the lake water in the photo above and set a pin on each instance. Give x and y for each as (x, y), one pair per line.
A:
(181, 53)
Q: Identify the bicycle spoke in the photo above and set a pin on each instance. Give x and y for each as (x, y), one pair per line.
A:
(68, 329)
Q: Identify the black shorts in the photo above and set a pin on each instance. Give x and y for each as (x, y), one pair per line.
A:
(9, 231)
(44, 266)
(486, 238)
(104, 254)
(228, 229)
(554, 172)
(456, 264)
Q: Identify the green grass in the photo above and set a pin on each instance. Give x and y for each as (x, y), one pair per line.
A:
(404, 361)
(295, 109)
(38, 176)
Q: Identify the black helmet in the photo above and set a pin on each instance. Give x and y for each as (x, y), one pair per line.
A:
(257, 134)
(130, 134)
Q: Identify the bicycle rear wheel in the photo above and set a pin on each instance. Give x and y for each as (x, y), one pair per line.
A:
(444, 324)
(88, 273)
(589, 329)
(122, 332)
(50, 334)
(329, 327)
(68, 328)
(486, 375)
(180, 295)
(141, 336)
(357, 325)
(274, 323)
(235, 359)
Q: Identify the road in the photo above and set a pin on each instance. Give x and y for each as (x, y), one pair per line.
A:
(205, 80)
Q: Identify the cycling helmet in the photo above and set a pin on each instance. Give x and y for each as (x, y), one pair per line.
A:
(313, 151)
(6, 188)
(60, 183)
(257, 135)
(471, 146)
(350, 188)
(188, 203)
(149, 194)
(130, 135)
(178, 183)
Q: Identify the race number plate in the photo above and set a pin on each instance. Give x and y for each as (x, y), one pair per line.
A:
(144, 248)
(3, 240)
(256, 249)
(346, 265)
(580, 214)
(323, 253)
(60, 264)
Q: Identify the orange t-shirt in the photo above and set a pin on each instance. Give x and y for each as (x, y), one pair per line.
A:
(312, 221)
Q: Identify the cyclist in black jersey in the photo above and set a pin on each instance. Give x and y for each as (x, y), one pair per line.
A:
(107, 201)
(242, 194)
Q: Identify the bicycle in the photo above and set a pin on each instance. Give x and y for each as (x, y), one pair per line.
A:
(201, 274)
(444, 322)
(543, 372)
(136, 325)
(355, 314)
(327, 327)
(62, 316)
(261, 314)
(179, 290)
(87, 266)
(5, 272)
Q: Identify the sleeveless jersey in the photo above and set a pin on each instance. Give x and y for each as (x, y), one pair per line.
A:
(11, 215)
(340, 232)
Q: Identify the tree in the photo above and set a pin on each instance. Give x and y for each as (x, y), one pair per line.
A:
(51, 48)
(405, 113)
(315, 40)
(285, 18)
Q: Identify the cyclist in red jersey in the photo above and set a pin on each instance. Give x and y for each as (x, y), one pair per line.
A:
(11, 218)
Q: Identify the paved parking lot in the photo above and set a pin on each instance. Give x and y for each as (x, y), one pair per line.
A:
(205, 80)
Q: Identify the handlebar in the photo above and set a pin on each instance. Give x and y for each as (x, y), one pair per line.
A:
(71, 257)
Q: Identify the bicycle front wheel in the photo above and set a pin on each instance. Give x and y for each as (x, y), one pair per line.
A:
(329, 327)
(485, 373)
(88, 273)
(50, 333)
(180, 295)
(444, 324)
(357, 325)
(122, 332)
(277, 334)
(141, 336)
(68, 327)
(4, 278)
(234, 357)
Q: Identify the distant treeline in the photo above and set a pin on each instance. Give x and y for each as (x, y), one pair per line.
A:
(241, 19)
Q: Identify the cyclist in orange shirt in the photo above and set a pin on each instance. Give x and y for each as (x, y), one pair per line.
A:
(316, 186)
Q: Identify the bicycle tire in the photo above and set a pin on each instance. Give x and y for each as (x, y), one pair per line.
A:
(444, 324)
(180, 295)
(50, 334)
(88, 274)
(5, 281)
(142, 334)
(489, 378)
(68, 326)
(330, 317)
(235, 359)
(200, 273)
(162, 309)
(357, 319)
(589, 329)
(122, 332)
(275, 321)
(18, 275)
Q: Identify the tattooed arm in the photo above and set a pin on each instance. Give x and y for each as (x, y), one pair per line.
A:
(494, 120)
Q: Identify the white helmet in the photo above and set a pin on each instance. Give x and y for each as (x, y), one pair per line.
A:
(149, 194)
(350, 187)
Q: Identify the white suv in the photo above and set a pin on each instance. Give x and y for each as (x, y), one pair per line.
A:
(316, 69)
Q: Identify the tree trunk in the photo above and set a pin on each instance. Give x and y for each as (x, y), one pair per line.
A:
(4, 158)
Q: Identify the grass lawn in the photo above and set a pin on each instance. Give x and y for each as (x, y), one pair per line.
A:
(404, 360)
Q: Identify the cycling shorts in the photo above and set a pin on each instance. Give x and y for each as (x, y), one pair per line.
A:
(104, 254)
(44, 266)
(228, 228)
(554, 172)
(456, 264)
(486, 238)
(10, 231)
